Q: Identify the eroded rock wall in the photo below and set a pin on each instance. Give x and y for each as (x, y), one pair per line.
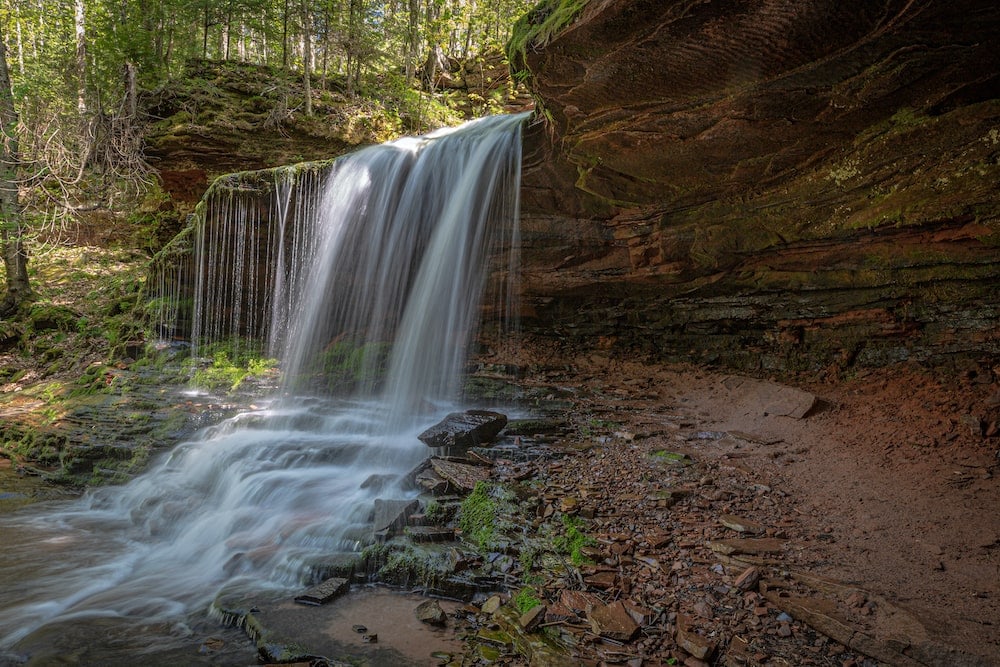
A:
(767, 183)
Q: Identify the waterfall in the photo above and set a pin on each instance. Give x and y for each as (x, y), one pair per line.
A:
(382, 256)
(377, 260)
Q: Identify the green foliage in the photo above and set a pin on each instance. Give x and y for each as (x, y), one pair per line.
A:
(405, 565)
(535, 28)
(438, 513)
(416, 111)
(94, 378)
(573, 540)
(231, 366)
(481, 515)
(526, 599)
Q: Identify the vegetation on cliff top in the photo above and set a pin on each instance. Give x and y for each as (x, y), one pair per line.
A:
(535, 28)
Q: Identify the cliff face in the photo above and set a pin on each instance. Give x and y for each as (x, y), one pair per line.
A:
(769, 183)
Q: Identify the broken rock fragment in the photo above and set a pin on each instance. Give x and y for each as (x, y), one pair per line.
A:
(430, 612)
(460, 475)
(698, 646)
(613, 621)
(391, 515)
(532, 618)
(324, 592)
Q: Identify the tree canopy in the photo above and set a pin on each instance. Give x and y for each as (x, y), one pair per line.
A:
(76, 70)
(76, 67)
(72, 58)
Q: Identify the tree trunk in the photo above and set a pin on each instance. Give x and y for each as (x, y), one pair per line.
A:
(227, 31)
(81, 60)
(20, 48)
(351, 46)
(284, 37)
(15, 259)
(325, 62)
(307, 56)
(412, 40)
(131, 104)
(204, 37)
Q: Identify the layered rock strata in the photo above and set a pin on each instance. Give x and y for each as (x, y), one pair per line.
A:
(767, 183)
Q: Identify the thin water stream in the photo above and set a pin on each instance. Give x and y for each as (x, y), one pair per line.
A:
(392, 257)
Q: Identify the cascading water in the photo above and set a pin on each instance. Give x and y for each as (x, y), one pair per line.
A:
(393, 266)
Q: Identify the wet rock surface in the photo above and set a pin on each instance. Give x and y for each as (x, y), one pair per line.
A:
(108, 436)
(464, 429)
(672, 515)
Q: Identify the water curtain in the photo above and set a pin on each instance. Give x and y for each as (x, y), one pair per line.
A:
(376, 262)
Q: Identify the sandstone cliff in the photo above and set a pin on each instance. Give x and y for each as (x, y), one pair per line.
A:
(767, 183)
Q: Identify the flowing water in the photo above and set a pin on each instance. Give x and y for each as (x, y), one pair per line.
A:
(388, 259)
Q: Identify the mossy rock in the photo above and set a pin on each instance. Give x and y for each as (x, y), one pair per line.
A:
(672, 458)
(43, 317)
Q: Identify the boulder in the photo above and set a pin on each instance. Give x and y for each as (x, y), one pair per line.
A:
(430, 612)
(465, 429)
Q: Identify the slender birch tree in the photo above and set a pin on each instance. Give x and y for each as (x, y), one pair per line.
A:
(15, 259)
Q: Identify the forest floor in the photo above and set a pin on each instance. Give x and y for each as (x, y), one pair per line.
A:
(874, 517)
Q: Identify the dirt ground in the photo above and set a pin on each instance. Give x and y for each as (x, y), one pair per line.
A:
(884, 494)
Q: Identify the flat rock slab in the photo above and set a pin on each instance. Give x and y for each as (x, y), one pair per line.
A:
(740, 524)
(579, 601)
(430, 481)
(464, 429)
(460, 475)
(764, 545)
(770, 398)
(324, 592)
(391, 515)
(698, 646)
(430, 534)
(287, 632)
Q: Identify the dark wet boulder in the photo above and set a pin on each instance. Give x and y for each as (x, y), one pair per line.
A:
(465, 429)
